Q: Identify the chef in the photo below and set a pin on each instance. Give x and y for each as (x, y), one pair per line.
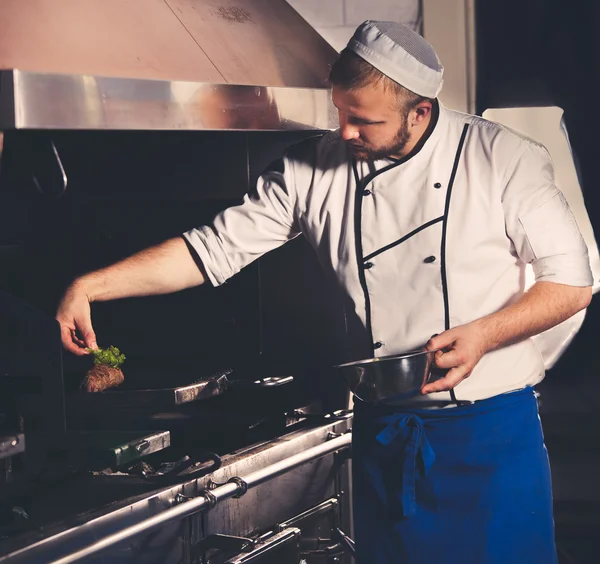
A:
(427, 218)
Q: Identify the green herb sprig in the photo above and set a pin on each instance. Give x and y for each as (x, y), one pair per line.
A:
(111, 356)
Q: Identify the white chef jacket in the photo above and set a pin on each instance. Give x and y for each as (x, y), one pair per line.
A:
(421, 244)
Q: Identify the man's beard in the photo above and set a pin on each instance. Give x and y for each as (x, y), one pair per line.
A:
(395, 147)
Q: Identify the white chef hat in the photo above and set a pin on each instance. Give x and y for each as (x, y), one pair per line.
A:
(401, 54)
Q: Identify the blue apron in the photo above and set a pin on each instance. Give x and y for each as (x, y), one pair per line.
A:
(462, 485)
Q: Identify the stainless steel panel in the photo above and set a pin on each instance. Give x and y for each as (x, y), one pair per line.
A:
(132, 38)
(294, 492)
(30, 100)
(206, 500)
(261, 42)
(63, 540)
(246, 42)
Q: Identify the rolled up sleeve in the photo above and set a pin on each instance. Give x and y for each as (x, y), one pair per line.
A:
(241, 234)
(540, 222)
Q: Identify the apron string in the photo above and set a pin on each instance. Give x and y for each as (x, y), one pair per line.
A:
(407, 435)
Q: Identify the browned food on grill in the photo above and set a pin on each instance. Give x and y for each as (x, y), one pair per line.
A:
(102, 377)
(105, 373)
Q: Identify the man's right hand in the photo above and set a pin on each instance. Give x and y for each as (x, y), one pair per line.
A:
(74, 316)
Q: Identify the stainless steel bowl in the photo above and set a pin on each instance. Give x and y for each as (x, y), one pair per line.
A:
(390, 378)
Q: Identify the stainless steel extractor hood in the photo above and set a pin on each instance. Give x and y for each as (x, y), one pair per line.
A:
(161, 64)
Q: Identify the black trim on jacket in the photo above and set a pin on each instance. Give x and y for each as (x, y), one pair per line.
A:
(359, 253)
(445, 226)
(405, 238)
(361, 185)
(444, 236)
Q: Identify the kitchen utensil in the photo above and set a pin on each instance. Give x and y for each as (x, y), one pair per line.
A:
(391, 378)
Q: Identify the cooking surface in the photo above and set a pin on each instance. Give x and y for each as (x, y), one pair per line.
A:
(240, 403)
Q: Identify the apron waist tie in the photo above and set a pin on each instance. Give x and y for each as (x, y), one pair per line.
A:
(407, 439)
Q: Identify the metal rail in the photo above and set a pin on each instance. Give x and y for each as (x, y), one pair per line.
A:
(209, 498)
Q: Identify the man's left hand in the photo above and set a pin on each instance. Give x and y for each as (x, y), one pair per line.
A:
(462, 348)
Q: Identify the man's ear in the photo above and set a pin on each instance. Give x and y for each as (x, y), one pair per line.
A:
(420, 112)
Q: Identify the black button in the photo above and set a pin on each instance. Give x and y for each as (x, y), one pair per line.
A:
(367, 192)
(437, 185)
(429, 259)
(368, 265)
(377, 345)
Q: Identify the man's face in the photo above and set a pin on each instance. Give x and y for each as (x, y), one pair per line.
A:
(371, 123)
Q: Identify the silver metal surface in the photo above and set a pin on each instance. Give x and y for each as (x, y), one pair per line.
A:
(263, 42)
(346, 541)
(133, 450)
(200, 390)
(201, 502)
(328, 505)
(296, 491)
(390, 378)
(276, 542)
(103, 449)
(31, 100)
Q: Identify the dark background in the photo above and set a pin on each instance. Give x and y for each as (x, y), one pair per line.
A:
(544, 53)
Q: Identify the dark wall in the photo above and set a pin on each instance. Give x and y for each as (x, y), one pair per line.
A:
(129, 190)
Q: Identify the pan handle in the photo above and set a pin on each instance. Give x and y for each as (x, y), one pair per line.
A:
(179, 472)
(273, 382)
(261, 383)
